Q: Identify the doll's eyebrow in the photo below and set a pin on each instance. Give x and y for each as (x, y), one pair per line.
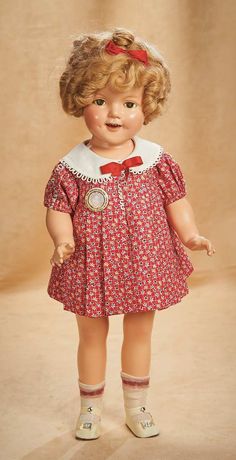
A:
(132, 96)
(124, 98)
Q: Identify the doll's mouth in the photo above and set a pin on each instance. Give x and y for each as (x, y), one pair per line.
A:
(113, 125)
(112, 128)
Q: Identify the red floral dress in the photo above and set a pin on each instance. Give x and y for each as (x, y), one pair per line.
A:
(127, 257)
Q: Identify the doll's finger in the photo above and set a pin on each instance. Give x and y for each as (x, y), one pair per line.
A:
(201, 243)
(211, 249)
(211, 252)
(60, 252)
(207, 244)
(68, 254)
(67, 251)
(58, 259)
(70, 248)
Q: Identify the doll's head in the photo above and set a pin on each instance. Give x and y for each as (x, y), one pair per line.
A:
(92, 67)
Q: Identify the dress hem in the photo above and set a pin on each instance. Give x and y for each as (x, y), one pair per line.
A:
(83, 312)
(70, 309)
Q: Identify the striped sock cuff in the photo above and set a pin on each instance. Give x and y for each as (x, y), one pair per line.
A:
(132, 381)
(91, 391)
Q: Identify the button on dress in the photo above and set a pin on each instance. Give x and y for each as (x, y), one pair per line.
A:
(127, 257)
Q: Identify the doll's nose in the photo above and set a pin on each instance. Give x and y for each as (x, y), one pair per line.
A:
(114, 110)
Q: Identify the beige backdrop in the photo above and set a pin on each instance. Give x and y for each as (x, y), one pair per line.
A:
(192, 393)
(197, 39)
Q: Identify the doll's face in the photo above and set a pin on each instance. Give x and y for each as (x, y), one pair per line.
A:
(109, 106)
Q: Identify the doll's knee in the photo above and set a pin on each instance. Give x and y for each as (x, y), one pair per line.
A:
(92, 329)
(138, 325)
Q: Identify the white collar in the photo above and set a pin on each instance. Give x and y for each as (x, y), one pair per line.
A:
(85, 163)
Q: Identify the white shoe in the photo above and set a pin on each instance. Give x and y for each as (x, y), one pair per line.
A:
(88, 425)
(141, 422)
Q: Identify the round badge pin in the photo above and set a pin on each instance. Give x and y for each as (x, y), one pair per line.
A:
(96, 199)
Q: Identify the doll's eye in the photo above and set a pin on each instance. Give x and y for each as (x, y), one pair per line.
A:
(98, 101)
(131, 105)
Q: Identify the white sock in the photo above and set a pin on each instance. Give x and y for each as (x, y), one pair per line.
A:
(91, 395)
(134, 390)
(135, 397)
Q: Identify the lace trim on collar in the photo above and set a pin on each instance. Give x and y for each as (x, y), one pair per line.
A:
(150, 153)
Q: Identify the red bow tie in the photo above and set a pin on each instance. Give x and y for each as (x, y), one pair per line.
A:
(116, 168)
(141, 55)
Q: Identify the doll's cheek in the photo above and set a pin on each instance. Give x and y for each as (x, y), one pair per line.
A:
(92, 116)
(138, 117)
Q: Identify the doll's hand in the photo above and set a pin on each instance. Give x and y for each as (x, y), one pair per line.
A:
(62, 252)
(199, 243)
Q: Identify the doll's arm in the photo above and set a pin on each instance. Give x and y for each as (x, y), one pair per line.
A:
(181, 217)
(59, 225)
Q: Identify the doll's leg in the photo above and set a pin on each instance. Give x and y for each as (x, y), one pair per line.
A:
(136, 347)
(91, 355)
(135, 362)
(91, 361)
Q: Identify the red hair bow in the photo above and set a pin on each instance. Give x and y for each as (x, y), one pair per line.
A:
(141, 55)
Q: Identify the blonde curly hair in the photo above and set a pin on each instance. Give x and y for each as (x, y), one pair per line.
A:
(90, 68)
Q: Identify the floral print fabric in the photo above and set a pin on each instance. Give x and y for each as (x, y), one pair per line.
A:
(127, 258)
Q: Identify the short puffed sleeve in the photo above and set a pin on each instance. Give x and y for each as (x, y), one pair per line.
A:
(171, 181)
(61, 192)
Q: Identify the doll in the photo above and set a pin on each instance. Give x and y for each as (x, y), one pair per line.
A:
(118, 217)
